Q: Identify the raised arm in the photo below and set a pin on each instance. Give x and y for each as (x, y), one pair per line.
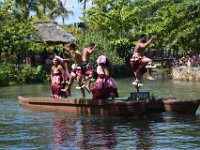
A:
(92, 50)
(145, 45)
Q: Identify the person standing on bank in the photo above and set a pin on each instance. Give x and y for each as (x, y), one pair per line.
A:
(140, 63)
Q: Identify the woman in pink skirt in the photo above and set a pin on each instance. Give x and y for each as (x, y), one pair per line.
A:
(105, 85)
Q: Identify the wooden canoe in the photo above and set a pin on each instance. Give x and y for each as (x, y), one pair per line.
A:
(117, 107)
(86, 106)
(180, 106)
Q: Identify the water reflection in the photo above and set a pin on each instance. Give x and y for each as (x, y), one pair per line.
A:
(50, 130)
(97, 134)
(103, 133)
(175, 131)
(145, 139)
(59, 132)
(81, 133)
(27, 129)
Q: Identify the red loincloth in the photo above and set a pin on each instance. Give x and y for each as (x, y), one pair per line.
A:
(138, 65)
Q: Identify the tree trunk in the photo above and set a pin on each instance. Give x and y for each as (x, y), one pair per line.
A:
(84, 8)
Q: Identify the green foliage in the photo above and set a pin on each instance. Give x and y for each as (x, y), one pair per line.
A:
(175, 22)
(121, 43)
(113, 25)
(28, 74)
(113, 18)
(15, 34)
(7, 73)
(122, 46)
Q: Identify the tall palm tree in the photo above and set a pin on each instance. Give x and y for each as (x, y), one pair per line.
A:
(25, 6)
(37, 6)
(84, 5)
(47, 4)
(60, 10)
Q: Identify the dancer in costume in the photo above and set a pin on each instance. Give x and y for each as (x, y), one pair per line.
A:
(76, 69)
(141, 64)
(65, 64)
(105, 86)
(87, 69)
(57, 79)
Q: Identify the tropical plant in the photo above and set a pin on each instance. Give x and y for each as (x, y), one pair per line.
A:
(60, 10)
(84, 5)
(39, 7)
(175, 22)
(14, 35)
(7, 73)
(28, 74)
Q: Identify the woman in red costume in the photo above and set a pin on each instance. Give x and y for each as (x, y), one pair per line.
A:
(57, 79)
(105, 85)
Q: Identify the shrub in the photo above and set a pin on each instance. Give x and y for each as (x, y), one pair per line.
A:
(28, 74)
(7, 73)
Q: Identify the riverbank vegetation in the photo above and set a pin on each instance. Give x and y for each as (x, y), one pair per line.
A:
(113, 25)
(11, 74)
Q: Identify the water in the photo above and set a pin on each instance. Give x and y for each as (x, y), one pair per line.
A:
(27, 129)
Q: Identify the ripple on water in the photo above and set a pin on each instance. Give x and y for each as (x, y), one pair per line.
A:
(27, 129)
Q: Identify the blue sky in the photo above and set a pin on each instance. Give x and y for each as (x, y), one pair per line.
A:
(76, 8)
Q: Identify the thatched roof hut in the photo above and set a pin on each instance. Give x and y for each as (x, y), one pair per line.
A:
(52, 33)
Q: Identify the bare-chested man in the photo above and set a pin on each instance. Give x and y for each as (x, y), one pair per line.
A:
(139, 61)
(77, 56)
(87, 69)
(87, 52)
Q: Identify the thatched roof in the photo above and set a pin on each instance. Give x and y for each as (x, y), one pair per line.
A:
(52, 33)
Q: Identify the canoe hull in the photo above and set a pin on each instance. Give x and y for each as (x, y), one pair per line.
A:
(104, 107)
(87, 107)
(185, 107)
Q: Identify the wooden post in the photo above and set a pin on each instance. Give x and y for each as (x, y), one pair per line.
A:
(137, 88)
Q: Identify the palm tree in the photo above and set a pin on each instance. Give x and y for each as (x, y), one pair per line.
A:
(25, 6)
(37, 6)
(84, 5)
(60, 10)
(47, 4)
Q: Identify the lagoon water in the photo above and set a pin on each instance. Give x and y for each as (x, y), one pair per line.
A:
(21, 128)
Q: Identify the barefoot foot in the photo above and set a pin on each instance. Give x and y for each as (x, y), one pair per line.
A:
(150, 78)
